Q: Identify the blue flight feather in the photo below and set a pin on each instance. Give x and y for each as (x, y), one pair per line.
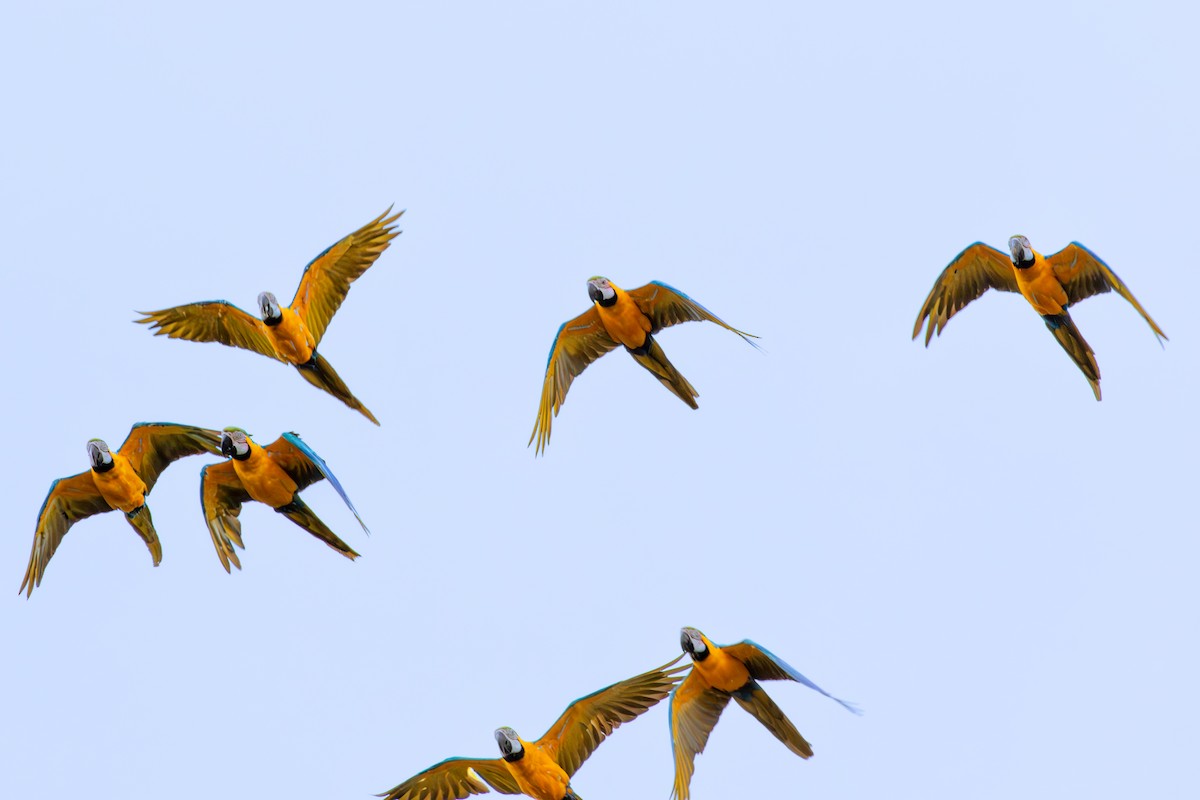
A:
(795, 675)
(320, 464)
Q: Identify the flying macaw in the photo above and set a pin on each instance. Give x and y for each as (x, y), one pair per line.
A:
(119, 480)
(619, 317)
(289, 333)
(1051, 284)
(543, 769)
(719, 673)
(274, 475)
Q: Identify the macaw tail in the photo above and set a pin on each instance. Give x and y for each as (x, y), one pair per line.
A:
(570, 795)
(303, 516)
(1067, 335)
(319, 373)
(752, 698)
(139, 520)
(651, 356)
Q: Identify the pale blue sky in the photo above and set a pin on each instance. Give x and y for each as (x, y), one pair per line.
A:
(1000, 570)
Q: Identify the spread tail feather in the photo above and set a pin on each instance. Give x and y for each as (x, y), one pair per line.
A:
(752, 698)
(1072, 341)
(320, 373)
(303, 516)
(651, 356)
(141, 522)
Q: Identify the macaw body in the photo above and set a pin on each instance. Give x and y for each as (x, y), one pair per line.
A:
(720, 673)
(264, 480)
(538, 775)
(119, 481)
(619, 318)
(1050, 284)
(292, 341)
(543, 769)
(289, 333)
(273, 475)
(120, 485)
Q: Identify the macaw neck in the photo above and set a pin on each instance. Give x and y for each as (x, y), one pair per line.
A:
(703, 654)
(105, 467)
(243, 456)
(513, 757)
(607, 302)
(271, 322)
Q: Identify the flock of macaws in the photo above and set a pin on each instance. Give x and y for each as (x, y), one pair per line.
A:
(276, 474)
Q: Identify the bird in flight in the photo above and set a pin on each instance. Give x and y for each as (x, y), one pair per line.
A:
(721, 672)
(1051, 284)
(274, 475)
(117, 481)
(543, 769)
(619, 317)
(289, 333)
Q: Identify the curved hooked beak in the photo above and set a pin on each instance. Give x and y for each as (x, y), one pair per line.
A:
(507, 739)
(1020, 249)
(692, 641)
(599, 289)
(268, 306)
(227, 449)
(98, 453)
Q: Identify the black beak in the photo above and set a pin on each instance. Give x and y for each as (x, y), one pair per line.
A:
(227, 445)
(685, 642)
(594, 293)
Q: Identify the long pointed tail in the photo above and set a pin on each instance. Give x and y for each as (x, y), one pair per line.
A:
(651, 356)
(141, 522)
(752, 698)
(1067, 335)
(319, 373)
(303, 516)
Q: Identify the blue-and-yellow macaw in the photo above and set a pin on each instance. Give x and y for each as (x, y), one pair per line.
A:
(292, 333)
(619, 317)
(1051, 284)
(543, 769)
(719, 673)
(119, 480)
(274, 475)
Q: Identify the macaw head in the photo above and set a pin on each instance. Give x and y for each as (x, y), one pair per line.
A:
(693, 643)
(235, 442)
(268, 307)
(1022, 251)
(510, 744)
(99, 455)
(601, 291)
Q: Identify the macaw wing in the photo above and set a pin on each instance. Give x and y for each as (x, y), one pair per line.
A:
(70, 500)
(694, 711)
(578, 343)
(305, 467)
(327, 278)
(222, 496)
(766, 666)
(211, 321)
(972, 272)
(587, 721)
(151, 446)
(455, 779)
(1083, 274)
(667, 306)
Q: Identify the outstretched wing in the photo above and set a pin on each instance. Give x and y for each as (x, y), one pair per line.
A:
(1083, 274)
(327, 278)
(211, 321)
(305, 467)
(694, 711)
(667, 306)
(577, 344)
(455, 779)
(766, 666)
(70, 500)
(221, 496)
(972, 272)
(151, 446)
(587, 721)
